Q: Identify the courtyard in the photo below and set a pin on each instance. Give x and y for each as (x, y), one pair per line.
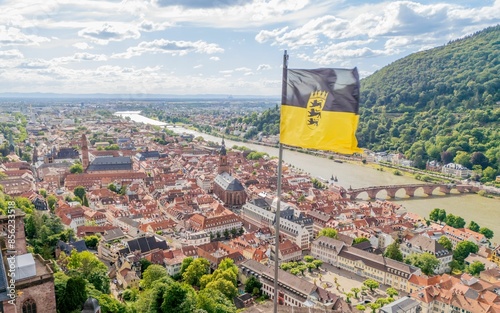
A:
(340, 282)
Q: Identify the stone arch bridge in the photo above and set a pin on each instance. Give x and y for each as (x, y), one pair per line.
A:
(391, 190)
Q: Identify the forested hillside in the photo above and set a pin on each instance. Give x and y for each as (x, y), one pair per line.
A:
(440, 104)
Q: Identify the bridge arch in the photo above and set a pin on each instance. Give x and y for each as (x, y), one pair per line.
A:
(409, 190)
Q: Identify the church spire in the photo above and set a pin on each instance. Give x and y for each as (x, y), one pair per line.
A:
(85, 152)
(223, 164)
(223, 147)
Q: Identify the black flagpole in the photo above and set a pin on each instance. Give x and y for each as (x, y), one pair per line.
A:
(278, 205)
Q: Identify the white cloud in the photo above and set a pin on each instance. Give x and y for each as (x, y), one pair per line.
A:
(263, 67)
(104, 33)
(82, 46)
(367, 34)
(242, 69)
(337, 53)
(79, 57)
(267, 35)
(90, 57)
(11, 36)
(176, 48)
(11, 54)
(149, 26)
(34, 64)
(247, 14)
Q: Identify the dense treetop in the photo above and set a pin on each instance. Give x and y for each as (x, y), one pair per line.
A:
(440, 104)
(442, 100)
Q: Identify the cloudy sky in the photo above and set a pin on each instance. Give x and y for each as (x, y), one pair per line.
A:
(232, 47)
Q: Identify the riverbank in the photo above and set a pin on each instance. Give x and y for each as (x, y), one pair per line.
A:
(472, 207)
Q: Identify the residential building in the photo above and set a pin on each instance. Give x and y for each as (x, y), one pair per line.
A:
(465, 294)
(456, 170)
(293, 223)
(402, 305)
(421, 244)
(288, 251)
(292, 290)
(365, 264)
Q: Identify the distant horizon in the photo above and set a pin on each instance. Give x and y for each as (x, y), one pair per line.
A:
(49, 95)
(213, 47)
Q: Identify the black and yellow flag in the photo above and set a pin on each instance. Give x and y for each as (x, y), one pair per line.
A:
(321, 110)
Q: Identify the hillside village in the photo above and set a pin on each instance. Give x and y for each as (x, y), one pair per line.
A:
(155, 195)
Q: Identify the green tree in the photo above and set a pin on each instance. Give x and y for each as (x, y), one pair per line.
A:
(426, 261)
(459, 222)
(100, 280)
(151, 274)
(51, 201)
(130, 294)
(111, 305)
(180, 298)
(294, 271)
(463, 249)
(185, 263)
(488, 233)
(317, 263)
(79, 192)
(76, 168)
(328, 232)
(91, 241)
(473, 226)
(43, 192)
(227, 264)
(442, 215)
(112, 187)
(437, 215)
(391, 292)
(478, 158)
(355, 291)
(60, 281)
(85, 201)
(195, 271)
(490, 173)
(75, 294)
(145, 263)
(310, 267)
(446, 243)
(348, 297)
(361, 307)
(225, 286)
(475, 268)
(85, 263)
(455, 221)
(308, 258)
(286, 266)
(371, 284)
(463, 158)
(393, 252)
(214, 301)
(252, 283)
(374, 307)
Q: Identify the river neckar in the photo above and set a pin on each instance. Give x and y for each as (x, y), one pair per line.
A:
(482, 210)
